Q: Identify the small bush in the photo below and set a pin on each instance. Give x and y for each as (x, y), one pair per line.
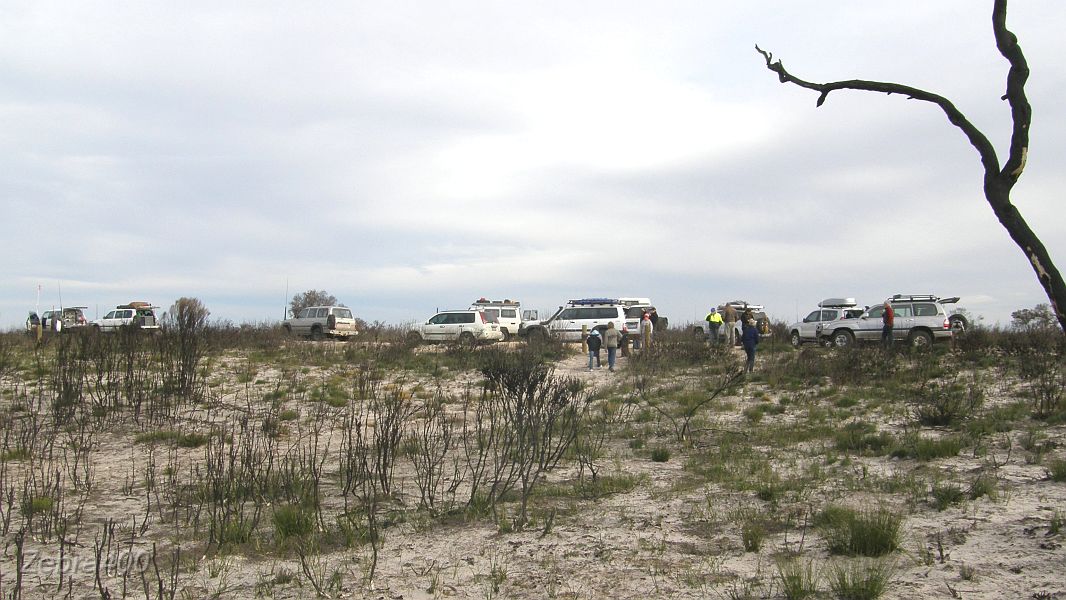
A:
(798, 580)
(946, 495)
(866, 533)
(752, 533)
(863, 438)
(293, 521)
(925, 449)
(860, 580)
(945, 403)
(660, 454)
(983, 485)
(1057, 470)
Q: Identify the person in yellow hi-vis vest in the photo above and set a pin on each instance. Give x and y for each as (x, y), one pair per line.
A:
(714, 323)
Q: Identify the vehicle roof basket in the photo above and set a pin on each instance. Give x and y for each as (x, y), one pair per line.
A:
(587, 301)
(913, 297)
(505, 302)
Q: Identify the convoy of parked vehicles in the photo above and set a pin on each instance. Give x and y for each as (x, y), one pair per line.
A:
(920, 320)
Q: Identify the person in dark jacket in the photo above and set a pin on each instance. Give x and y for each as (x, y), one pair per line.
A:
(749, 337)
(594, 343)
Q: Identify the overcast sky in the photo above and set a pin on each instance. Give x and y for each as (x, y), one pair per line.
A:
(409, 156)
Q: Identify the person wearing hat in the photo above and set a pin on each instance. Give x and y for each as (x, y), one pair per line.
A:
(714, 323)
(594, 343)
(749, 338)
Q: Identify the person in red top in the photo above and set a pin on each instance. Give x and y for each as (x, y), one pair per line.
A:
(888, 318)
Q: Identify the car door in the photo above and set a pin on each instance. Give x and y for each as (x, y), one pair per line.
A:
(903, 321)
(868, 327)
(434, 328)
(566, 324)
(808, 328)
(301, 325)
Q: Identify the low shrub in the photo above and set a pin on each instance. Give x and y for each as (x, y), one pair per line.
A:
(860, 580)
(866, 533)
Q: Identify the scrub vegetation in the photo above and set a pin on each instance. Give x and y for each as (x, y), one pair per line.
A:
(211, 460)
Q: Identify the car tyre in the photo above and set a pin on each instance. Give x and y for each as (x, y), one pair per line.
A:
(958, 323)
(414, 338)
(316, 333)
(795, 339)
(506, 334)
(843, 339)
(920, 340)
(466, 339)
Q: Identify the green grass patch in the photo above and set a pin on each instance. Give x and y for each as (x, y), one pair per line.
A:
(863, 533)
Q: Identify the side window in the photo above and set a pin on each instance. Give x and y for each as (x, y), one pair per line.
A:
(925, 310)
(509, 313)
(492, 315)
(569, 314)
(438, 319)
(304, 313)
(875, 312)
(342, 313)
(903, 310)
(127, 314)
(813, 317)
(829, 315)
(110, 315)
(322, 313)
(465, 318)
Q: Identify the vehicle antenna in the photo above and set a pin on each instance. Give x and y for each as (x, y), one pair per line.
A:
(284, 311)
(59, 286)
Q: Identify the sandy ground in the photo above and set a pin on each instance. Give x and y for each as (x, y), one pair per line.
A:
(661, 539)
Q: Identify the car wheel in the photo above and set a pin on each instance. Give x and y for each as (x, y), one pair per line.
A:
(843, 339)
(958, 323)
(795, 339)
(698, 333)
(288, 329)
(920, 339)
(316, 333)
(414, 338)
(506, 334)
(466, 338)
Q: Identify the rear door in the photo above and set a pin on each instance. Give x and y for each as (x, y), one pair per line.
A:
(904, 321)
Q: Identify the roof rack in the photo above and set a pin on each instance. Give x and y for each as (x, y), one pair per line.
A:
(586, 301)
(912, 297)
(506, 302)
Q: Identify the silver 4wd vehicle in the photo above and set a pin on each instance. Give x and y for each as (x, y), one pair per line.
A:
(567, 322)
(322, 321)
(920, 320)
(505, 313)
(830, 309)
(140, 315)
(464, 326)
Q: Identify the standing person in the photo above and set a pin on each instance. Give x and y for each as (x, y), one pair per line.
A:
(654, 316)
(714, 322)
(730, 317)
(594, 342)
(647, 330)
(749, 337)
(611, 338)
(888, 320)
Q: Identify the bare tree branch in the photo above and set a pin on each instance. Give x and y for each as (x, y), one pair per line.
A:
(998, 182)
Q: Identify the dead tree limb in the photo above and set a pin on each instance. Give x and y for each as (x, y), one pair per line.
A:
(998, 181)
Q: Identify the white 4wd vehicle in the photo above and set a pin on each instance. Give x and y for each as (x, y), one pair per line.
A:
(830, 309)
(466, 326)
(592, 313)
(762, 321)
(505, 313)
(322, 321)
(135, 314)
